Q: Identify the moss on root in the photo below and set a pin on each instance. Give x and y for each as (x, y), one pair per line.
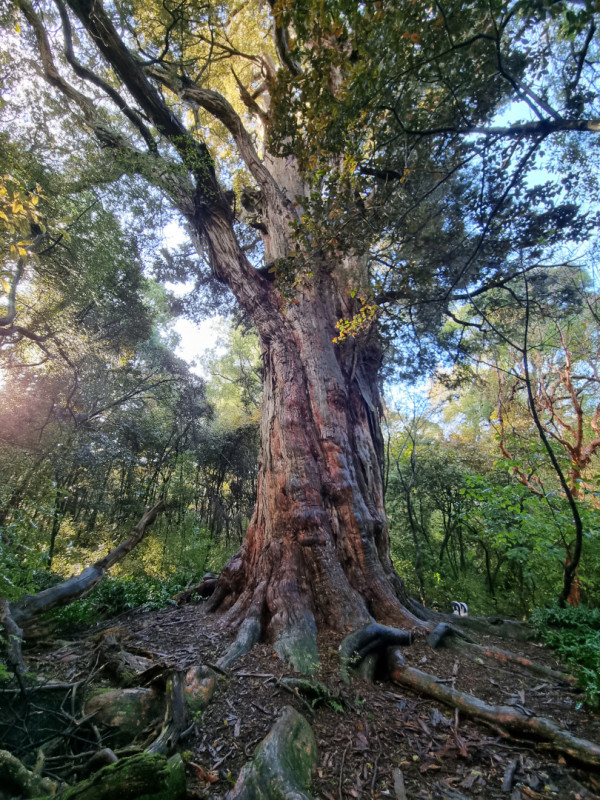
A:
(140, 777)
(282, 764)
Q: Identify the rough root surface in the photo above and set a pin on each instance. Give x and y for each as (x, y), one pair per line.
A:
(283, 762)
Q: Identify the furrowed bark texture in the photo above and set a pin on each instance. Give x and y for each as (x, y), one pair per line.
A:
(317, 549)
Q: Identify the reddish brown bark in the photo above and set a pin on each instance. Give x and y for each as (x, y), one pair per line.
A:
(317, 550)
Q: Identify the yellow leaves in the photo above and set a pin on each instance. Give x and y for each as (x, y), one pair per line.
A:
(359, 322)
(18, 211)
(350, 163)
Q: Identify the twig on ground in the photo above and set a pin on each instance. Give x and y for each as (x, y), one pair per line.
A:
(218, 669)
(342, 772)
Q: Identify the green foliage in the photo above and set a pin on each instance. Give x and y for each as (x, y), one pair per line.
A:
(389, 116)
(113, 596)
(575, 635)
(462, 526)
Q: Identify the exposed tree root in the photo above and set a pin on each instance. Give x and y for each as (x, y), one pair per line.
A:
(282, 764)
(376, 643)
(491, 626)
(14, 615)
(366, 640)
(18, 781)
(445, 635)
(248, 635)
(505, 718)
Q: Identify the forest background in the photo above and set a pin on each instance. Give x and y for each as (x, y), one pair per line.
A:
(491, 474)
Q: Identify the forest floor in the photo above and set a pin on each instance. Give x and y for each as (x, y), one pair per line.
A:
(371, 738)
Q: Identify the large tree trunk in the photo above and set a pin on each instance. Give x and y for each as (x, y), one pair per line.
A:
(317, 549)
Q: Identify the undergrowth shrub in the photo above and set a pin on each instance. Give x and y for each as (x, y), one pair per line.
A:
(575, 635)
(114, 595)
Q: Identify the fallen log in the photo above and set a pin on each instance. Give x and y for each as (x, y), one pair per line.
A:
(505, 718)
(491, 626)
(19, 781)
(126, 714)
(445, 635)
(204, 589)
(14, 615)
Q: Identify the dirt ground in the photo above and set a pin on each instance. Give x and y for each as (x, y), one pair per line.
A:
(371, 738)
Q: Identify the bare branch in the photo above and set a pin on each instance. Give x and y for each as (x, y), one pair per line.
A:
(249, 100)
(88, 75)
(282, 43)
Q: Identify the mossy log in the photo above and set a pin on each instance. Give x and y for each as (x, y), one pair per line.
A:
(127, 713)
(141, 777)
(16, 780)
(131, 714)
(282, 764)
(505, 718)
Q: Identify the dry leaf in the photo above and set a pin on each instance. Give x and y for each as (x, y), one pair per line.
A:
(203, 774)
